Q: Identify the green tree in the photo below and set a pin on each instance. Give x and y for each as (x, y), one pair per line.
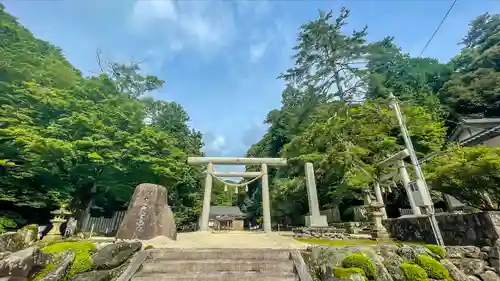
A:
(90, 140)
(473, 89)
(468, 174)
(415, 81)
(346, 143)
(327, 59)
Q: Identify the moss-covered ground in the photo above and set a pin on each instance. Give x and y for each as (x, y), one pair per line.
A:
(83, 251)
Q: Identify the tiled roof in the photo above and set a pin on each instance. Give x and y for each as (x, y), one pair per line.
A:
(231, 211)
(490, 128)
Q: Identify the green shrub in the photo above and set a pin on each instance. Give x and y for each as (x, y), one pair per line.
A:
(433, 268)
(83, 255)
(6, 224)
(341, 272)
(148, 247)
(413, 272)
(362, 261)
(437, 250)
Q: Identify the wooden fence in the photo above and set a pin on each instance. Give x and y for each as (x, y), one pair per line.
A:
(103, 225)
(406, 211)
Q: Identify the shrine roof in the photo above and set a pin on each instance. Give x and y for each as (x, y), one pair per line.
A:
(231, 211)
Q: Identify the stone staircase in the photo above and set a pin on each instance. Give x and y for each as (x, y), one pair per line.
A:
(217, 264)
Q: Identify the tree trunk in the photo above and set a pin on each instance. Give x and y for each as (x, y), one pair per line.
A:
(86, 213)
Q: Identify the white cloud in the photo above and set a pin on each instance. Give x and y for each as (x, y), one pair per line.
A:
(218, 143)
(154, 9)
(257, 8)
(214, 144)
(257, 50)
(206, 25)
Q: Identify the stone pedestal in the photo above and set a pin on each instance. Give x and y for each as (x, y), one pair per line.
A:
(148, 215)
(316, 221)
(55, 233)
(378, 230)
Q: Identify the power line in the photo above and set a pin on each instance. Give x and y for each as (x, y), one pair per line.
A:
(438, 27)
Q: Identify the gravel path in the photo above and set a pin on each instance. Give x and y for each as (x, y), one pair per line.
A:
(241, 240)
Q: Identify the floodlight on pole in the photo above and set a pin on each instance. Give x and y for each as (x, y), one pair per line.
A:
(420, 180)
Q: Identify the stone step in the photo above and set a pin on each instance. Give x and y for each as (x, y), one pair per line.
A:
(218, 254)
(223, 276)
(181, 266)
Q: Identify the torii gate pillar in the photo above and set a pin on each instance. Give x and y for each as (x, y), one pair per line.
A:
(207, 196)
(266, 204)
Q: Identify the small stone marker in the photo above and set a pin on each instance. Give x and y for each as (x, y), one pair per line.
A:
(148, 215)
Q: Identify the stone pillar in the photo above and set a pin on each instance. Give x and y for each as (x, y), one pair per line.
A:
(205, 212)
(266, 208)
(368, 199)
(315, 219)
(380, 199)
(406, 183)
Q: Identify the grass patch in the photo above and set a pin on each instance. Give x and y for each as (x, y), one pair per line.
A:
(353, 242)
(48, 268)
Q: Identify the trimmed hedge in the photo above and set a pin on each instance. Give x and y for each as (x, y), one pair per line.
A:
(341, 272)
(360, 260)
(433, 268)
(437, 250)
(413, 272)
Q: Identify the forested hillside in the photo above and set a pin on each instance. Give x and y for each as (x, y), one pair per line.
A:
(335, 113)
(69, 138)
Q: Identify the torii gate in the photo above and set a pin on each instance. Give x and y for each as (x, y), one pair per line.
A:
(211, 161)
(314, 219)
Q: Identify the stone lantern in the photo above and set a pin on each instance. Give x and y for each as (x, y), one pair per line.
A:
(378, 230)
(60, 216)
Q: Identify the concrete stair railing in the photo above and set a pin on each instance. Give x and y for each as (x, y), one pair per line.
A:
(218, 264)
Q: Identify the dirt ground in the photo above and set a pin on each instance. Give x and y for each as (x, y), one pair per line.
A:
(241, 240)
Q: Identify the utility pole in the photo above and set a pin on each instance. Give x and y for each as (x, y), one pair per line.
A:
(420, 180)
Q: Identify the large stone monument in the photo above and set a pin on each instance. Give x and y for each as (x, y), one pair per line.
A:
(148, 215)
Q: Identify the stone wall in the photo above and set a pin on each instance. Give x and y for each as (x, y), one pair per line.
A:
(478, 229)
(327, 233)
(352, 227)
(463, 263)
(474, 261)
(332, 215)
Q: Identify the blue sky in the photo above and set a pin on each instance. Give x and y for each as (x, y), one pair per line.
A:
(220, 59)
